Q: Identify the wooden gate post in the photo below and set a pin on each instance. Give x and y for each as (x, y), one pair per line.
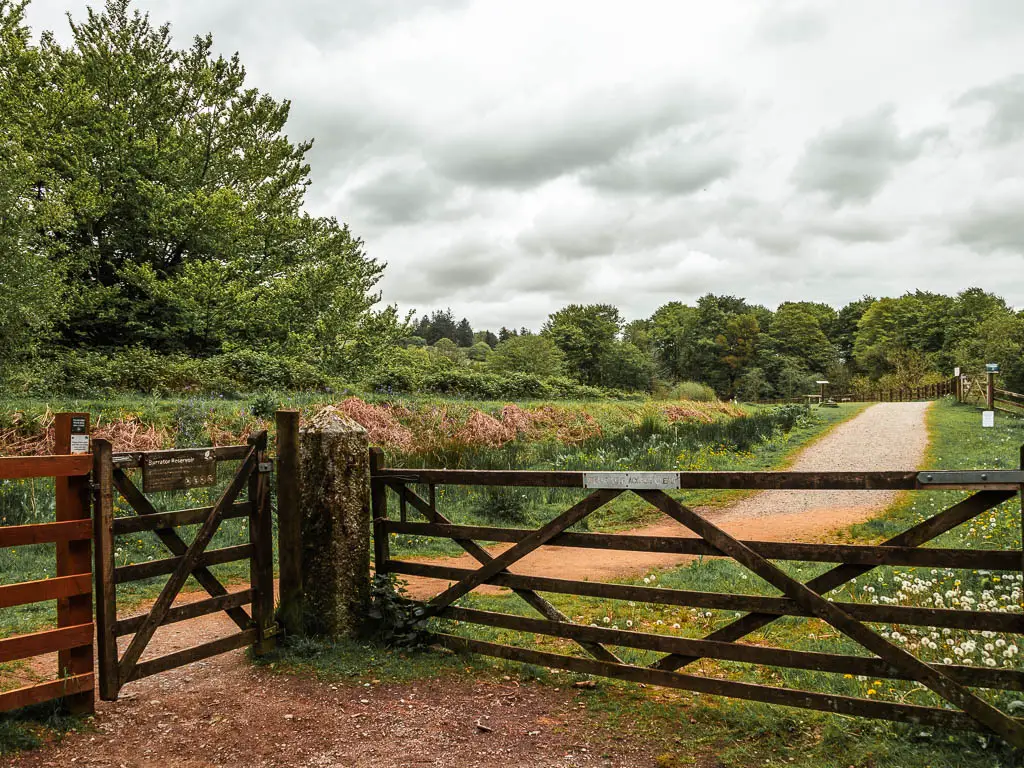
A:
(261, 534)
(71, 435)
(106, 597)
(289, 523)
(335, 504)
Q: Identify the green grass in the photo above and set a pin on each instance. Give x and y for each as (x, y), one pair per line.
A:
(31, 727)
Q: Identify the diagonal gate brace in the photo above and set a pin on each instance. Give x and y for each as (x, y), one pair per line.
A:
(809, 599)
(537, 602)
(536, 539)
(207, 580)
(180, 575)
(920, 534)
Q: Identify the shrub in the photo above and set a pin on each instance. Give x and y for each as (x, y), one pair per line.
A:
(503, 505)
(695, 391)
(263, 405)
(189, 425)
(252, 370)
(532, 354)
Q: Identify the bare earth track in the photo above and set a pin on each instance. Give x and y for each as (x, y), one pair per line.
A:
(225, 712)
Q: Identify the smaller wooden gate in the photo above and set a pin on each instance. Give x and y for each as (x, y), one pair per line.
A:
(194, 559)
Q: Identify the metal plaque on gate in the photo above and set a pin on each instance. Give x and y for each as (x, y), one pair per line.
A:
(178, 470)
(646, 481)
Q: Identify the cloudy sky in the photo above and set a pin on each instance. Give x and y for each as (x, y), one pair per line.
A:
(507, 158)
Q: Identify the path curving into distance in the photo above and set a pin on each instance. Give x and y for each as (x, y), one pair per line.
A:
(885, 436)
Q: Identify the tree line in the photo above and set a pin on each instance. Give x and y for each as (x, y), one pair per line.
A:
(749, 351)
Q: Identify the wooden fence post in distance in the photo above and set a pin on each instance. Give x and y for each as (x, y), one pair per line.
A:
(289, 523)
(71, 432)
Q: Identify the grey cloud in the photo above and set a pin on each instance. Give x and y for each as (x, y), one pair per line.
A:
(534, 145)
(402, 195)
(1005, 100)
(678, 169)
(467, 265)
(995, 225)
(991, 18)
(788, 25)
(855, 230)
(852, 162)
(572, 235)
(319, 21)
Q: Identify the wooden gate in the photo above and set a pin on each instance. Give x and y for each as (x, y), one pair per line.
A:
(952, 682)
(188, 559)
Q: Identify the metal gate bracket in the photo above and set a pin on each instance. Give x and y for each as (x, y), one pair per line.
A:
(265, 466)
(972, 477)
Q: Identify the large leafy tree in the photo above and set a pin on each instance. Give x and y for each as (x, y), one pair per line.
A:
(180, 197)
(585, 334)
(797, 333)
(535, 354)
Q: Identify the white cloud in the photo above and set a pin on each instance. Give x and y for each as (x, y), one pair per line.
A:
(505, 158)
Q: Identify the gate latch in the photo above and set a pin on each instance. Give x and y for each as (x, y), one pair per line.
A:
(265, 466)
(973, 477)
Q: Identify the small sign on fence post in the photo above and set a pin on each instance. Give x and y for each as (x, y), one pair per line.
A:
(988, 418)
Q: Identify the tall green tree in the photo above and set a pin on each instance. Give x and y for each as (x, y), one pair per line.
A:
(797, 334)
(534, 354)
(180, 197)
(585, 334)
(31, 202)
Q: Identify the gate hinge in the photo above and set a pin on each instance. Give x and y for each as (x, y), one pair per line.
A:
(972, 477)
(265, 466)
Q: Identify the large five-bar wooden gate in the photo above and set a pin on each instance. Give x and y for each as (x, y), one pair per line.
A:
(953, 683)
(188, 559)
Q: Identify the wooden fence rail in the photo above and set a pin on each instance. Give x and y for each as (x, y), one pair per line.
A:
(904, 394)
(1007, 401)
(71, 534)
(952, 683)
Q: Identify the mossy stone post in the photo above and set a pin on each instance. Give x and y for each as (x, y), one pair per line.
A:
(335, 505)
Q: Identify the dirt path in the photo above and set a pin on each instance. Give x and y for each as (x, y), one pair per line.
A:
(886, 436)
(225, 712)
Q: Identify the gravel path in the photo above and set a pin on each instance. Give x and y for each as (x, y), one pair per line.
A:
(885, 436)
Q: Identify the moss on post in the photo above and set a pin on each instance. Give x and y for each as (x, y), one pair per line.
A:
(335, 507)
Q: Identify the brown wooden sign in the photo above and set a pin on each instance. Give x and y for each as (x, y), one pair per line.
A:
(179, 470)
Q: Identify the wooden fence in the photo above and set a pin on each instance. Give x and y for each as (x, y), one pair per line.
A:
(953, 683)
(1010, 402)
(898, 395)
(72, 534)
